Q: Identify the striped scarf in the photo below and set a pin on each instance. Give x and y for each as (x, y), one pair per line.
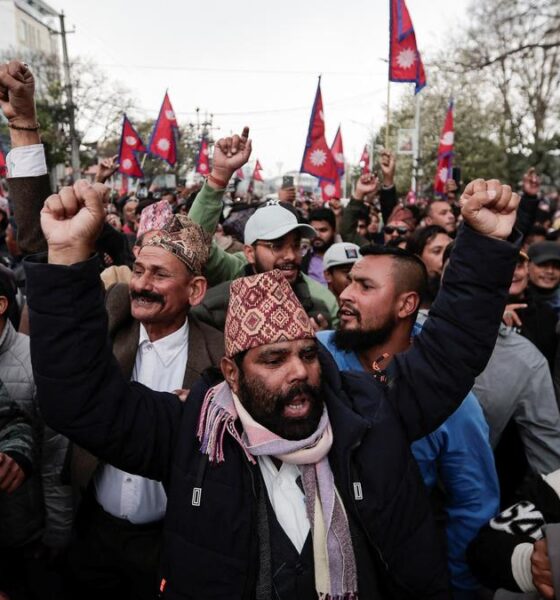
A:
(334, 561)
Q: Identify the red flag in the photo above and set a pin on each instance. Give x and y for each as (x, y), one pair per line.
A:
(163, 142)
(364, 161)
(257, 172)
(330, 190)
(317, 157)
(131, 144)
(203, 158)
(445, 152)
(2, 165)
(239, 173)
(405, 63)
(337, 152)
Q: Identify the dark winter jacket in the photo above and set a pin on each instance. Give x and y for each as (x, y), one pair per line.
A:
(211, 549)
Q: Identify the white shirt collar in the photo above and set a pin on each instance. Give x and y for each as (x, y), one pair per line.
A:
(167, 347)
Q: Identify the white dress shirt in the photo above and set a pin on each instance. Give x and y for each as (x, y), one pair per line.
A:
(287, 499)
(26, 161)
(160, 366)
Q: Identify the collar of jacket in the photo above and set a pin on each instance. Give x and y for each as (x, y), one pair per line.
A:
(8, 336)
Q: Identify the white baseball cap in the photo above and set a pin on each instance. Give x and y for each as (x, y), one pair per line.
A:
(339, 254)
(272, 222)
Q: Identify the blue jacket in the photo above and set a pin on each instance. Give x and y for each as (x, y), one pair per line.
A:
(459, 452)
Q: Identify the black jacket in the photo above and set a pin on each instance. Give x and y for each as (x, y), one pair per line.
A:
(211, 550)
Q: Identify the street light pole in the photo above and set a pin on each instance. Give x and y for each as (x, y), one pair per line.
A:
(70, 103)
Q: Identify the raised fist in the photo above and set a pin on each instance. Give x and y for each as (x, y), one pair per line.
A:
(388, 165)
(71, 221)
(366, 184)
(489, 207)
(17, 89)
(106, 168)
(230, 154)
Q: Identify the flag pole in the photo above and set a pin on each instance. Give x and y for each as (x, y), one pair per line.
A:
(416, 161)
(388, 114)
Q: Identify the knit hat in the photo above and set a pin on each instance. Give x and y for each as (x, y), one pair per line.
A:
(154, 216)
(186, 240)
(263, 309)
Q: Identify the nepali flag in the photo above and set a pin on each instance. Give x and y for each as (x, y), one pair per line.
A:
(163, 142)
(239, 173)
(405, 63)
(445, 153)
(317, 157)
(3, 168)
(131, 144)
(257, 172)
(364, 161)
(338, 152)
(330, 190)
(203, 158)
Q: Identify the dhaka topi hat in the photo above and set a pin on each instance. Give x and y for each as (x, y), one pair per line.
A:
(154, 216)
(186, 240)
(263, 309)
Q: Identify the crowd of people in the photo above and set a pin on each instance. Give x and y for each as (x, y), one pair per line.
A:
(211, 396)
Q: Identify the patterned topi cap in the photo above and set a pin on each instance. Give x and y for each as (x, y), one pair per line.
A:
(186, 240)
(263, 309)
(154, 216)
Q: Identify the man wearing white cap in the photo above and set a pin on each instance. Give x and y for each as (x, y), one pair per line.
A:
(272, 241)
(337, 262)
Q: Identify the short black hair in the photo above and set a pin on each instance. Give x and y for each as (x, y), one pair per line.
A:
(409, 271)
(323, 214)
(363, 215)
(421, 237)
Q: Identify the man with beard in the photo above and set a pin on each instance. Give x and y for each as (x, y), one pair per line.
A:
(236, 524)
(377, 320)
(323, 222)
(272, 240)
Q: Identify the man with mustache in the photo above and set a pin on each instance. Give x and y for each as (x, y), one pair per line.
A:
(155, 339)
(238, 524)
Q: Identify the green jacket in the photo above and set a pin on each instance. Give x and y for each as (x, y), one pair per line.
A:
(223, 266)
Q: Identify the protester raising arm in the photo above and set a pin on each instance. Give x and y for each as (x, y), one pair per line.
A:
(366, 184)
(230, 154)
(74, 369)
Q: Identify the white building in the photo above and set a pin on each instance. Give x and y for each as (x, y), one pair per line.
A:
(26, 26)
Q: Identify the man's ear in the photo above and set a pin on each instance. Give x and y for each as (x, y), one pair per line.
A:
(3, 305)
(197, 290)
(231, 373)
(328, 276)
(408, 304)
(249, 252)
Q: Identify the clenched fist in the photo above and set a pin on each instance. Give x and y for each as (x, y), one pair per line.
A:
(489, 207)
(71, 221)
(230, 154)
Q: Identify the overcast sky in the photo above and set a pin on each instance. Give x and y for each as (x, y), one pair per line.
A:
(256, 63)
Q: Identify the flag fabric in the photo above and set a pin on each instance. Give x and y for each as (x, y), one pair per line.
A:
(364, 161)
(239, 173)
(163, 141)
(445, 152)
(203, 158)
(330, 190)
(317, 157)
(131, 144)
(337, 152)
(405, 62)
(3, 169)
(257, 172)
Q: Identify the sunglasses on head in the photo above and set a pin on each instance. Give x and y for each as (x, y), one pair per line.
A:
(400, 229)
